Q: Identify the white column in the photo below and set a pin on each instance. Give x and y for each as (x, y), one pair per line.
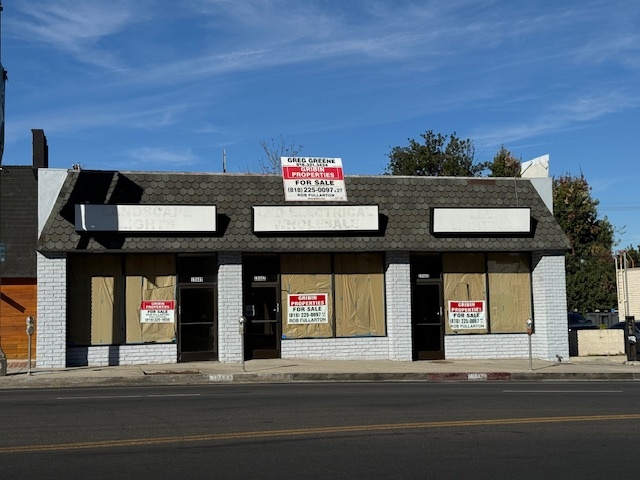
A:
(229, 307)
(551, 337)
(398, 293)
(51, 320)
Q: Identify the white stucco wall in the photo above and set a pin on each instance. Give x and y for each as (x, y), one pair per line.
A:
(600, 342)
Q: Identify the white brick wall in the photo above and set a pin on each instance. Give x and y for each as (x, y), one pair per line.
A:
(361, 348)
(229, 307)
(398, 292)
(109, 355)
(486, 346)
(51, 320)
(549, 286)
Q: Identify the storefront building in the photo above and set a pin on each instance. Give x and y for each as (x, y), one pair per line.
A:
(140, 267)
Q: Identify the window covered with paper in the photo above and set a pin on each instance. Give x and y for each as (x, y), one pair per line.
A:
(95, 293)
(464, 281)
(149, 277)
(359, 294)
(509, 291)
(306, 274)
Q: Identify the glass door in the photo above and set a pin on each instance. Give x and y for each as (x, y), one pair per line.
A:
(262, 330)
(427, 321)
(197, 330)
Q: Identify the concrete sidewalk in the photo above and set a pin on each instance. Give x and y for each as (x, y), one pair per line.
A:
(297, 370)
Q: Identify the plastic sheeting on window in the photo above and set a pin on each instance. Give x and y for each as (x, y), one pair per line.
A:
(149, 277)
(464, 279)
(359, 294)
(305, 273)
(509, 291)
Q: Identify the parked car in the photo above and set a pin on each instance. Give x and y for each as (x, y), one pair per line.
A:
(621, 326)
(577, 322)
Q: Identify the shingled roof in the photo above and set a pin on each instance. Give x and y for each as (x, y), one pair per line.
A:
(405, 205)
(19, 220)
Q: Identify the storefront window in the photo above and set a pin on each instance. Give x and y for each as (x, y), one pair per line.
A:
(149, 277)
(495, 288)
(313, 284)
(95, 299)
(509, 291)
(464, 281)
(306, 274)
(359, 293)
(105, 296)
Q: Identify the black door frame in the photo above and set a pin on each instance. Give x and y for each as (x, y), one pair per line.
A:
(190, 356)
(256, 345)
(422, 347)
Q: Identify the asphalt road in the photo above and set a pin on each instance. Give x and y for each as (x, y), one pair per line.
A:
(367, 430)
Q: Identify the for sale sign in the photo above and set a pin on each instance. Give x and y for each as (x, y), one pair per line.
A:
(313, 178)
(468, 315)
(307, 308)
(157, 311)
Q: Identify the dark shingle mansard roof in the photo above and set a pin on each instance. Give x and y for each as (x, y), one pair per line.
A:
(404, 204)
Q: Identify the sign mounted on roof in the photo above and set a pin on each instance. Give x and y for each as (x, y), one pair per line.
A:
(313, 178)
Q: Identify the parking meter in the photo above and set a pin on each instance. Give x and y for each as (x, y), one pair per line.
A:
(243, 322)
(529, 333)
(30, 329)
(632, 341)
(30, 326)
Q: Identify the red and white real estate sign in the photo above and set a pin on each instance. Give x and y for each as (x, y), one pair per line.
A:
(157, 311)
(313, 178)
(467, 315)
(307, 308)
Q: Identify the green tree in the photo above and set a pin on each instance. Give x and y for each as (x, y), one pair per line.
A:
(273, 151)
(590, 267)
(440, 155)
(504, 164)
(633, 256)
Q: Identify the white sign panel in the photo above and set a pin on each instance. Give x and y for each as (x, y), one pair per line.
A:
(469, 315)
(481, 220)
(157, 311)
(316, 218)
(307, 308)
(313, 178)
(145, 218)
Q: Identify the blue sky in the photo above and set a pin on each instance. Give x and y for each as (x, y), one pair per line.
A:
(167, 85)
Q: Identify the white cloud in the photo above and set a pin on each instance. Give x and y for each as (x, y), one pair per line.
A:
(570, 115)
(71, 26)
(162, 157)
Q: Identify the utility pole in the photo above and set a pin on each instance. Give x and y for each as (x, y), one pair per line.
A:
(3, 77)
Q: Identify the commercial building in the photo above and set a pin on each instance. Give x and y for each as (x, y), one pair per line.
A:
(148, 267)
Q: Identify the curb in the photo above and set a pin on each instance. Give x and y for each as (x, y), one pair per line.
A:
(25, 381)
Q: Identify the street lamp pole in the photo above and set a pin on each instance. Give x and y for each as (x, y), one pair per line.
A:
(3, 77)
